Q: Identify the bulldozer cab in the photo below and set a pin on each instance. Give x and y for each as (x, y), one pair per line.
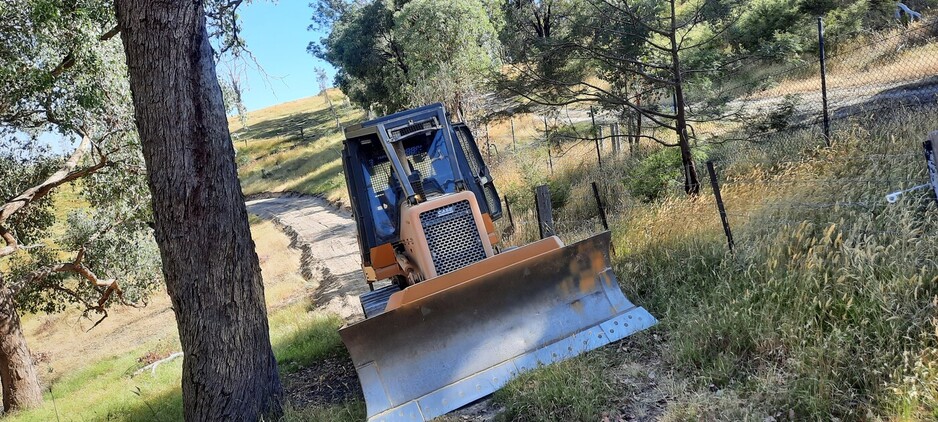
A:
(409, 158)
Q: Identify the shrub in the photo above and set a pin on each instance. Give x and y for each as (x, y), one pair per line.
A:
(660, 173)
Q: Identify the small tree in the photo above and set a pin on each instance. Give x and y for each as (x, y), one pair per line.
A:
(639, 50)
(322, 79)
(232, 87)
(451, 49)
(408, 53)
(363, 47)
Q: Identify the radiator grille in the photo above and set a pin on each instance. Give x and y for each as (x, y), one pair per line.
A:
(452, 237)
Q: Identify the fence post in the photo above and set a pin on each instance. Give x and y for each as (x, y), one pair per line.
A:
(599, 205)
(599, 156)
(930, 158)
(633, 134)
(823, 59)
(511, 220)
(545, 212)
(514, 146)
(550, 160)
(716, 193)
(616, 140)
(602, 136)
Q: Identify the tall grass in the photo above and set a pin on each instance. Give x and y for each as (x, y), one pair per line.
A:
(828, 307)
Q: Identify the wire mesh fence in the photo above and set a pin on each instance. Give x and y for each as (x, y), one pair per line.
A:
(855, 85)
(820, 190)
(865, 74)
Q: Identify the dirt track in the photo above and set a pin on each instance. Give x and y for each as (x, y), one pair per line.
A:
(335, 258)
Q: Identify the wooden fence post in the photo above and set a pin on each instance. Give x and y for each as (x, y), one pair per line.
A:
(719, 198)
(545, 212)
(599, 205)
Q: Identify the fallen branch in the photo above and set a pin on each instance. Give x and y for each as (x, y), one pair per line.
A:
(152, 366)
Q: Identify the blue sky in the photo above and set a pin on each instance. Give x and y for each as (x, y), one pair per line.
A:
(276, 33)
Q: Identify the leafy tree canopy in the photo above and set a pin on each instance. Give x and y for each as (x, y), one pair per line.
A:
(62, 71)
(392, 55)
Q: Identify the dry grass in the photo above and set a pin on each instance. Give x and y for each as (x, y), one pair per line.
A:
(881, 59)
(275, 156)
(88, 373)
(825, 311)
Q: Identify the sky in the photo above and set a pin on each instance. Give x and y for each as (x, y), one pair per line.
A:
(276, 33)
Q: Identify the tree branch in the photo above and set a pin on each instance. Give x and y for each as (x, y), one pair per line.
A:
(64, 175)
(107, 288)
(69, 60)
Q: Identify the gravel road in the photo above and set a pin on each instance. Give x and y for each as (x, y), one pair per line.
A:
(326, 237)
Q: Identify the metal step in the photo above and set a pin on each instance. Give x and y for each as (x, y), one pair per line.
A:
(373, 303)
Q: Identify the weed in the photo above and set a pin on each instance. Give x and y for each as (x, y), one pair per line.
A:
(348, 412)
(572, 390)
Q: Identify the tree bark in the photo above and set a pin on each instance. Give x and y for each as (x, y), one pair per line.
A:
(21, 388)
(209, 264)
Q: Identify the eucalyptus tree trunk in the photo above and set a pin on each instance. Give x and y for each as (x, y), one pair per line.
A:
(21, 388)
(209, 264)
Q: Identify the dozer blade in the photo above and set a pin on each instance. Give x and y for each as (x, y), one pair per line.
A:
(461, 336)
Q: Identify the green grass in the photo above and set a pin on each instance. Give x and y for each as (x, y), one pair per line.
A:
(572, 390)
(301, 338)
(105, 390)
(348, 412)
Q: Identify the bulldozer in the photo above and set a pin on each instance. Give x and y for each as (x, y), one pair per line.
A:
(450, 315)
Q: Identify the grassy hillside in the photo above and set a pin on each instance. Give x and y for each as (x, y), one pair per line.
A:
(294, 146)
(826, 310)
